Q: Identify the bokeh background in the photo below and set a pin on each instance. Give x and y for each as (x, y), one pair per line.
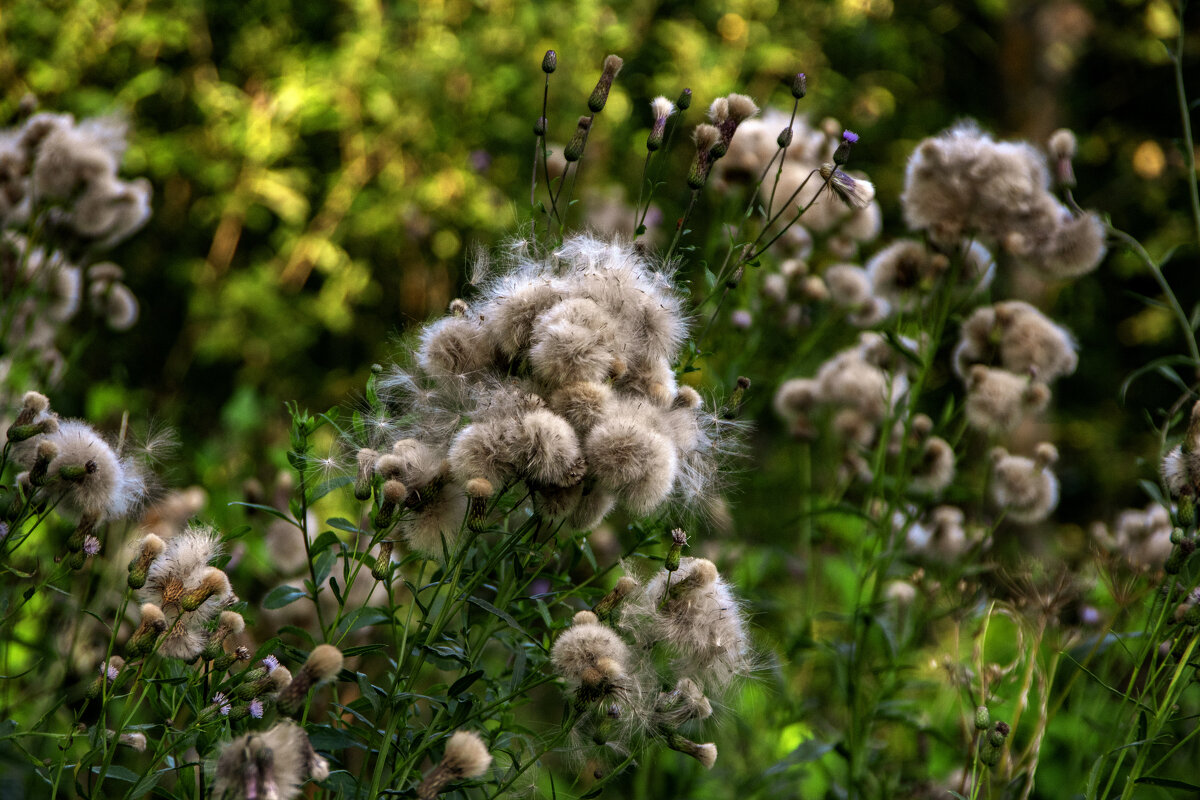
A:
(323, 173)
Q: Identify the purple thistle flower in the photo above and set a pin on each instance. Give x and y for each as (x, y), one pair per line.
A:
(112, 671)
(91, 545)
(222, 703)
(271, 663)
(849, 136)
(256, 708)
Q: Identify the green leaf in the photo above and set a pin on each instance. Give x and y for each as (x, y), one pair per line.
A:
(323, 542)
(274, 512)
(324, 565)
(1169, 783)
(344, 525)
(282, 596)
(504, 615)
(465, 682)
(118, 773)
(328, 486)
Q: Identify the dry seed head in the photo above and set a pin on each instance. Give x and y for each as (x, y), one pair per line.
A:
(466, 755)
(394, 491)
(1062, 144)
(705, 136)
(587, 652)
(599, 96)
(740, 107)
(324, 662)
(584, 618)
(582, 403)
(271, 764)
(231, 622)
(32, 405)
(857, 193)
(718, 111)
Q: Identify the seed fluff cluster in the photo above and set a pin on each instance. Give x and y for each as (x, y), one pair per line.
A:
(58, 180)
(558, 375)
(648, 661)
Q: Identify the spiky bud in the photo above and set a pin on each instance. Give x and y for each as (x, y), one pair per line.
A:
(574, 149)
(784, 138)
(383, 563)
(685, 100)
(983, 718)
(549, 62)
(799, 85)
(539, 126)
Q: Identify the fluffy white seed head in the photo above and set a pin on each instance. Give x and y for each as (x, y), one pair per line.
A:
(1023, 487)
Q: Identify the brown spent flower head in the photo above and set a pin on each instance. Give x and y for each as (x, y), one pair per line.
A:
(466, 757)
(273, 764)
(181, 583)
(324, 662)
(1025, 488)
(599, 96)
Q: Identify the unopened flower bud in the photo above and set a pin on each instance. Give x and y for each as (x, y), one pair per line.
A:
(574, 149)
(785, 138)
(549, 62)
(983, 718)
(685, 100)
(539, 126)
(1186, 512)
(799, 85)
(383, 563)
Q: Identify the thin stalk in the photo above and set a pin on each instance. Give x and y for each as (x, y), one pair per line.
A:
(1185, 116)
(1181, 317)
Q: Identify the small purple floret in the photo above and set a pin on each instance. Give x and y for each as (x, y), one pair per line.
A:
(849, 137)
